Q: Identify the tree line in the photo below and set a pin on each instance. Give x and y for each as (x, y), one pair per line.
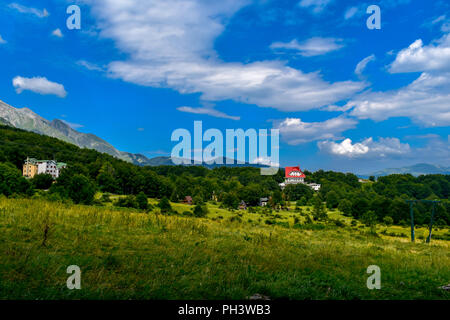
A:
(89, 171)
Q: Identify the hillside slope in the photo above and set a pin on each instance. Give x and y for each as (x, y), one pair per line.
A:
(126, 254)
(26, 119)
(415, 170)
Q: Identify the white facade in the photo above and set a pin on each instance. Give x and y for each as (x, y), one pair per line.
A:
(314, 186)
(48, 167)
(294, 180)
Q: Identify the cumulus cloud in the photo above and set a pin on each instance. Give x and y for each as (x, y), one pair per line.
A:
(23, 9)
(39, 85)
(170, 43)
(363, 64)
(426, 100)
(312, 47)
(384, 147)
(316, 6)
(417, 57)
(207, 111)
(294, 131)
(57, 33)
(2, 41)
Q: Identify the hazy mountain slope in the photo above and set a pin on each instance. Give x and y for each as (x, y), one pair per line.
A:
(26, 119)
(415, 170)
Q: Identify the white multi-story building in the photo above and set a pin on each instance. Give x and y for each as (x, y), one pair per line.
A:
(50, 167)
(294, 175)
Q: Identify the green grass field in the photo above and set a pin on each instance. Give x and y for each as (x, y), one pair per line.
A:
(126, 254)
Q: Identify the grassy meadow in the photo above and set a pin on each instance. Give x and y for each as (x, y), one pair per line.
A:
(128, 254)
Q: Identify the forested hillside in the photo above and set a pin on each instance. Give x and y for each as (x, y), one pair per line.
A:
(90, 171)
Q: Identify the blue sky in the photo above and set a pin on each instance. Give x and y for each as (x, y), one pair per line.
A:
(343, 97)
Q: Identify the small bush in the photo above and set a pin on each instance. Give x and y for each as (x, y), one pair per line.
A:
(388, 221)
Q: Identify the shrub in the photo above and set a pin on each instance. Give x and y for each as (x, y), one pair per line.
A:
(142, 201)
(164, 205)
(369, 218)
(388, 221)
(42, 181)
(319, 212)
(11, 181)
(127, 202)
(200, 211)
(345, 206)
(81, 189)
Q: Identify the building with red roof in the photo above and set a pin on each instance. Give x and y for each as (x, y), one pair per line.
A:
(294, 175)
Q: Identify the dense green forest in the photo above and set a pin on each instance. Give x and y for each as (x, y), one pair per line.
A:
(90, 171)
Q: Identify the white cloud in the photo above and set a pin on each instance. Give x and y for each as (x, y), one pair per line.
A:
(2, 41)
(438, 19)
(90, 66)
(170, 43)
(384, 147)
(73, 125)
(57, 33)
(363, 63)
(446, 26)
(312, 47)
(444, 21)
(417, 57)
(38, 13)
(207, 111)
(294, 131)
(426, 100)
(39, 85)
(316, 6)
(266, 161)
(350, 13)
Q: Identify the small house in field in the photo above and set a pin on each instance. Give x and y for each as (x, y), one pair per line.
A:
(263, 202)
(242, 205)
(187, 200)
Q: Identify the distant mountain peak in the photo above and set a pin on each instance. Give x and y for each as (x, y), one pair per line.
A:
(26, 119)
(416, 170)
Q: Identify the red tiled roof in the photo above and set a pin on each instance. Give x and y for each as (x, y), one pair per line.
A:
(293, 172)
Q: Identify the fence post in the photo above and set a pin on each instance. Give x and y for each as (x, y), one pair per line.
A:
(411, 211)
(431, 222)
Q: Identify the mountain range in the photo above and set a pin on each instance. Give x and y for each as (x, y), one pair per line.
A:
(26, 119)
(415, 170)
